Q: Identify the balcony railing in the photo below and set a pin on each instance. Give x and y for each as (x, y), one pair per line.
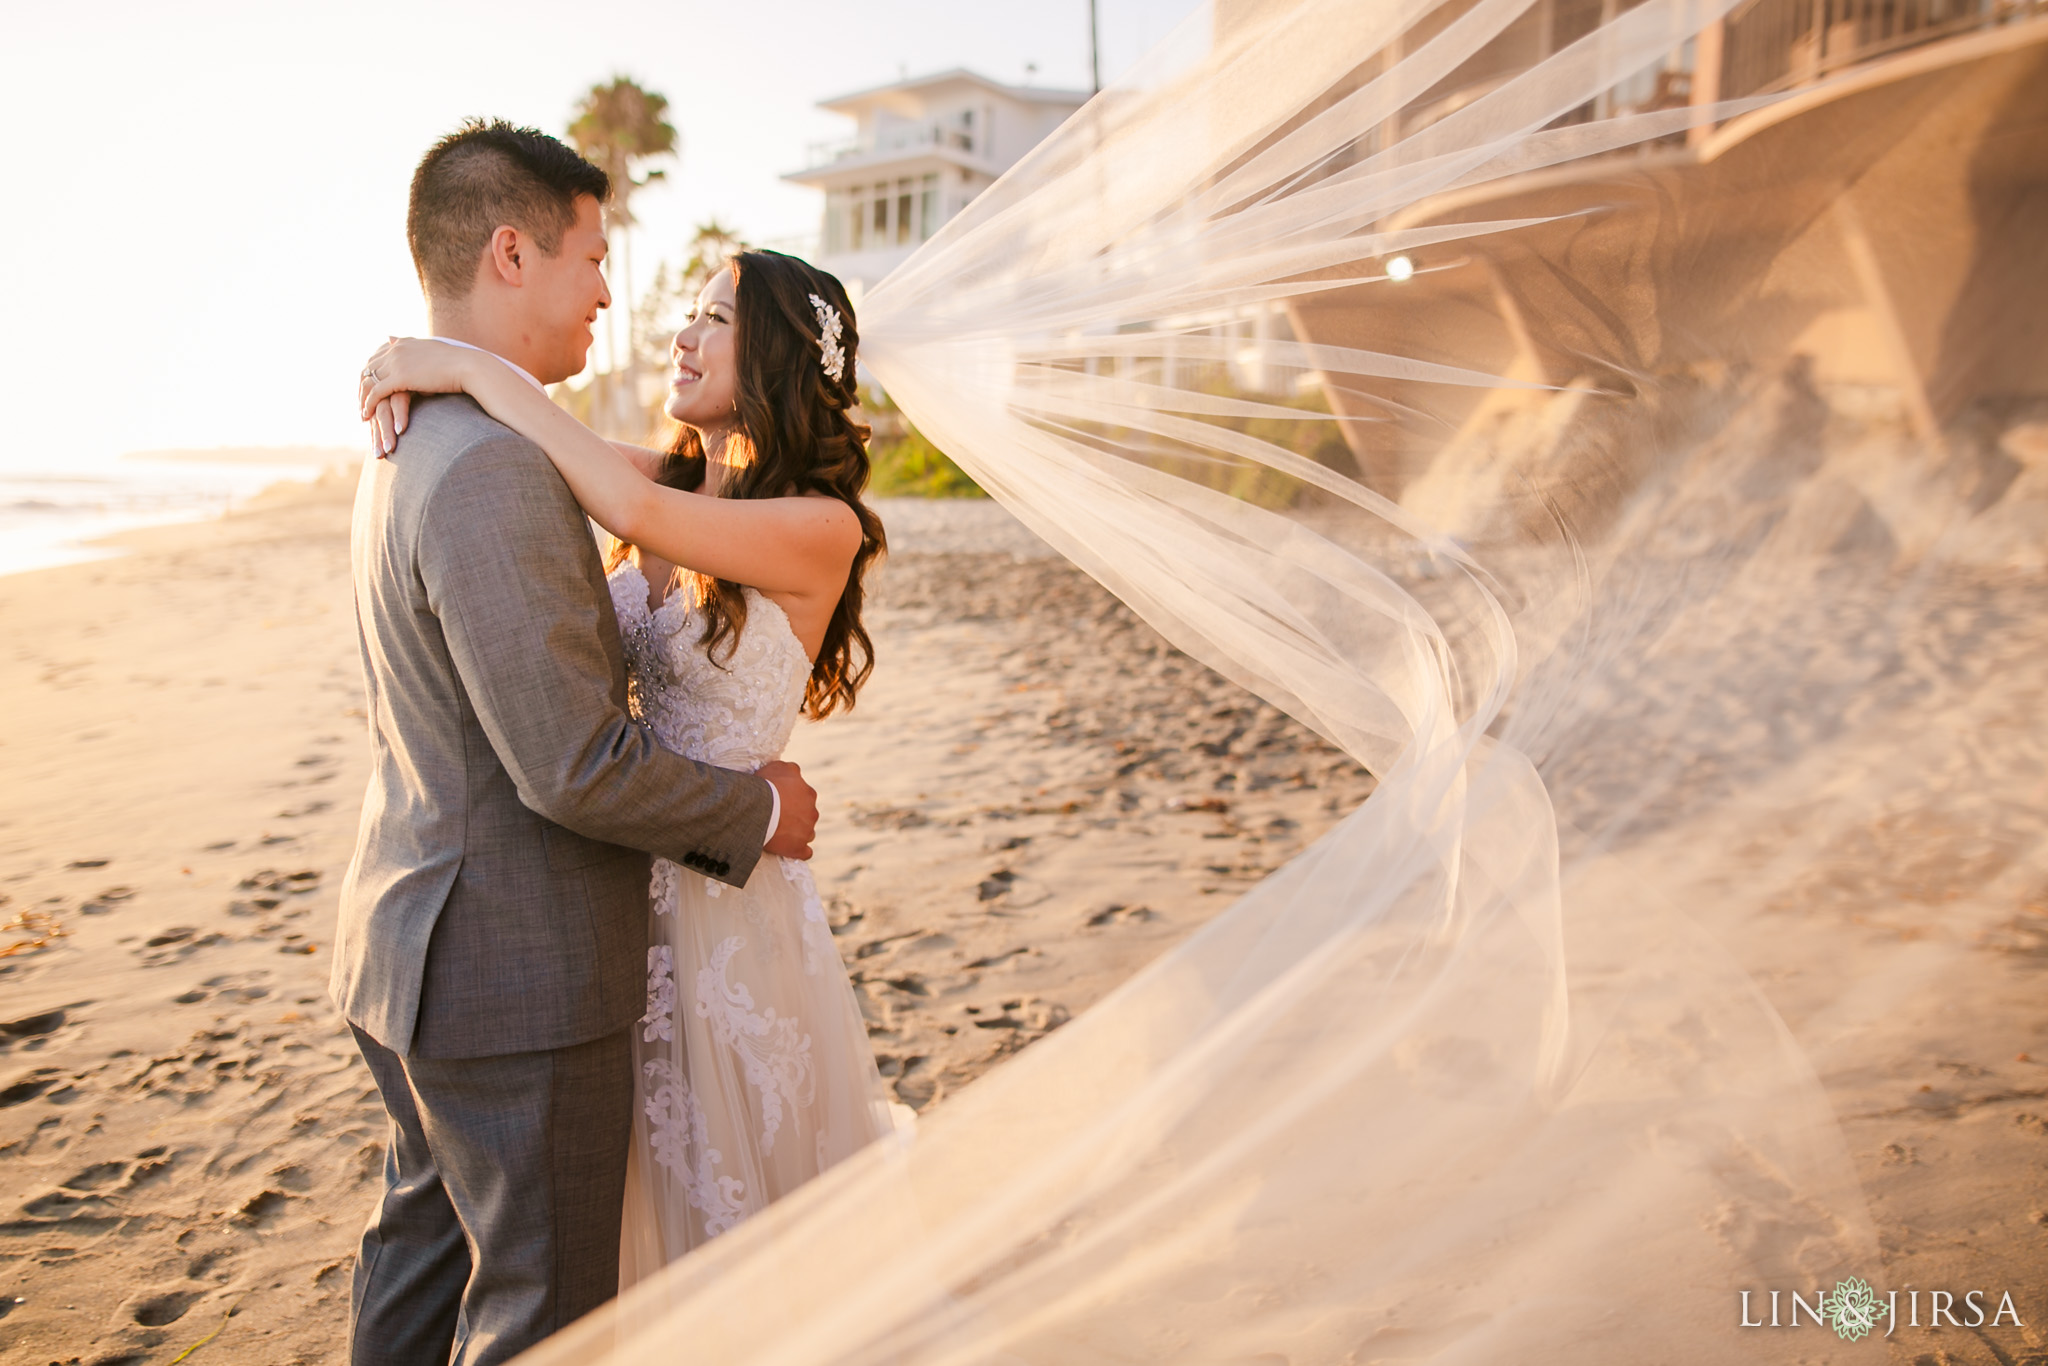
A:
(1772, 45)
(1761, 48)
(890, 141)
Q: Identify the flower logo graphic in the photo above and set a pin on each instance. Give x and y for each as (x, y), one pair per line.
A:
(1853, 1309)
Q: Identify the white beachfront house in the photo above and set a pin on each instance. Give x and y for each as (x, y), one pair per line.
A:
(920, 150)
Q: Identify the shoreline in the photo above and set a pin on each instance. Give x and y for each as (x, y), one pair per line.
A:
(50, 519)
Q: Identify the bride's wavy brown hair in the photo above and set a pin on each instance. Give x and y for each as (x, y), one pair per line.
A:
(800, 437)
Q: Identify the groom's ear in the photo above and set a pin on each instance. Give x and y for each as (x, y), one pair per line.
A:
(503, 255)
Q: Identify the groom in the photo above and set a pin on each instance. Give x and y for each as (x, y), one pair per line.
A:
(492, 949)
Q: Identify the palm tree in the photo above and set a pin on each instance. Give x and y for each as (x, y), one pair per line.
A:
(709, 246)
(653, 314)
(620, 126)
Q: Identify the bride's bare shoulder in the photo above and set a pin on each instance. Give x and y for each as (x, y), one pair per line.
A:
(834, 527)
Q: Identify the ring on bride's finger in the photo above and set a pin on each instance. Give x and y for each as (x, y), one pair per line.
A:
(370, 375)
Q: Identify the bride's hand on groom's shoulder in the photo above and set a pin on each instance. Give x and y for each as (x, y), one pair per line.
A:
(397, 370)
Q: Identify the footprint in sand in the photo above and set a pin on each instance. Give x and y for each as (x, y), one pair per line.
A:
(322, 770)
(34, 1027)
(270, 891)
(107, 901)
(994, 960)
(205, 1262)
(151, 1164)
(1010, 891)
(174, 943)
(98, 1175)
(195, 1071)
(90, 1198)
(234, 988)
(910, 1078)
(155, 1311)
(262, 1209)
(142, 1321)
(29, 1087)
(1120, 915)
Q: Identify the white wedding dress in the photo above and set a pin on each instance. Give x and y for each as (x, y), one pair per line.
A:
(753, 1067)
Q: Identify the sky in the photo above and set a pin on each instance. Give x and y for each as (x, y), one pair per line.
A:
(204, 230)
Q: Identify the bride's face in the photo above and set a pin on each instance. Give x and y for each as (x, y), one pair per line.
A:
(701, 360)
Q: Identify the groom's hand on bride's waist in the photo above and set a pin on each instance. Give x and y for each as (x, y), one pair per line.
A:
(798, 816)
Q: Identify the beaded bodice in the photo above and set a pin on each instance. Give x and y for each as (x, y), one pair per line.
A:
(737, 712)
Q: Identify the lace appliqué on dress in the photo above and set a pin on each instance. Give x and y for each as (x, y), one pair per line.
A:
(818, 946)
(737, 711)
(774, 1055)
(679, 1127)
(663, 887)
(660, 1018)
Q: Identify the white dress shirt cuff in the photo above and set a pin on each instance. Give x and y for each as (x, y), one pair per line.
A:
(774, 813)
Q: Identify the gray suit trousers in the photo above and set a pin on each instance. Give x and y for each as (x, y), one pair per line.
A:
(503, 1187)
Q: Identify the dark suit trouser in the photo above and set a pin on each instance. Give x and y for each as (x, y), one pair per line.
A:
(499, 1219)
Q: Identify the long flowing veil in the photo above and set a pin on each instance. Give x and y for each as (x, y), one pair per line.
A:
(1569, 408)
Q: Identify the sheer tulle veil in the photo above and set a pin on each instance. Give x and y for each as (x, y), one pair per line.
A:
(1455, 375)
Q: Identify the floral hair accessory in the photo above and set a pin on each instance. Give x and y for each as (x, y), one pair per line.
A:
(832, 356)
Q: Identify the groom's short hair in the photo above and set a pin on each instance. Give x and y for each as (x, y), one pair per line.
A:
(483, 176)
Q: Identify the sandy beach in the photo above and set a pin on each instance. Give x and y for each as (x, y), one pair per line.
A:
(1035, 796)
(1015, 819)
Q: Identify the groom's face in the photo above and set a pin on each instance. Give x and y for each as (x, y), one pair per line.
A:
(561, 295)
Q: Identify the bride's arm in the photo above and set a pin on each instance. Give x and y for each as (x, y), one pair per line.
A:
(389, 416)
(791, 545)
(648, 462)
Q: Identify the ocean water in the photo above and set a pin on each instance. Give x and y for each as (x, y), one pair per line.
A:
(52, 515)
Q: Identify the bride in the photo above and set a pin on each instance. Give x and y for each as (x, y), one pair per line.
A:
(737, 578)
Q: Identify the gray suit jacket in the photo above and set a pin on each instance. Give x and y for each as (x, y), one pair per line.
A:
(497, 901)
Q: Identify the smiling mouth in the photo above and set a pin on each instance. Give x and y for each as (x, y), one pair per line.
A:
(684, 375)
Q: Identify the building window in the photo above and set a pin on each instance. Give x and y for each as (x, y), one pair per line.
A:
(927, 207)
(906, 220)
(881, 219)
(856, 218)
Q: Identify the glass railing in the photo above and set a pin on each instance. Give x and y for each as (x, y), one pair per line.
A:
(889, 141)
